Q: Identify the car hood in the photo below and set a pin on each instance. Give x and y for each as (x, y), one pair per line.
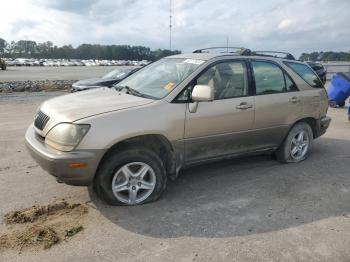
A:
(76, 106)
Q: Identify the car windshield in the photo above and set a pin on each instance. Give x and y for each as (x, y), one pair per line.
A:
(158, 79)
(118, 73)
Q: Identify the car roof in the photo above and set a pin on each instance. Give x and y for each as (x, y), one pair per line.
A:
(209, 56)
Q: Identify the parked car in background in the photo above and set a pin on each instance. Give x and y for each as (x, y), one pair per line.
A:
(108, 80)
(319, 69)
(179, 111)
(72, 62)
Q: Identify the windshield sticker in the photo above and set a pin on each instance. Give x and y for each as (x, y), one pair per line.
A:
(194, 61)
(169, 86)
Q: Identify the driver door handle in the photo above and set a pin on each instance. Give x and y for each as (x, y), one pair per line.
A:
(244, 106)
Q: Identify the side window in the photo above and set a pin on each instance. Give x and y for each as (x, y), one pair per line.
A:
(306, 73)
(269, 78)
(229, 79)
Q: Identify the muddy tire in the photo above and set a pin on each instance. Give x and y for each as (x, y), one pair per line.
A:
(3, 67)
(131, 177)
(297, 145)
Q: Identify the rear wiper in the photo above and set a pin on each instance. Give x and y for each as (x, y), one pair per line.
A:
(129, 90)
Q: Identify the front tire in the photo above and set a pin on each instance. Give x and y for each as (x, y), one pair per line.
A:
(131, 177)
(297, 145)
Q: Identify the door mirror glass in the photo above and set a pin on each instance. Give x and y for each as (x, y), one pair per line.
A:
(202, 93)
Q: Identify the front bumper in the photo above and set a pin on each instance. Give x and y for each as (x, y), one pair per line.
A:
(58, 163)
(322, 125)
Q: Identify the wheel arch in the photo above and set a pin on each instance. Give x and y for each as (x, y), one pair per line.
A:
(312, 122)
(159, 144)
(280, 152)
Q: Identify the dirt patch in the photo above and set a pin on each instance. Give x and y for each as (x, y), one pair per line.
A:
(35, 236)
(38, 212)
(74, 230)
(41, 227)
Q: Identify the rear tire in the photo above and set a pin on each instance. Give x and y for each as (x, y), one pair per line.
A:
(120, 170)
(297, 145)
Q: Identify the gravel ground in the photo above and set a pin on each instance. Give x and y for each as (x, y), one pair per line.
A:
(35, 85)
(249, 209)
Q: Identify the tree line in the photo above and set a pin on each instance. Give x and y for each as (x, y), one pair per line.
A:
(325, 56)
(32, 49)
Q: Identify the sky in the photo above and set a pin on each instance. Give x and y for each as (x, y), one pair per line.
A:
(295, 26)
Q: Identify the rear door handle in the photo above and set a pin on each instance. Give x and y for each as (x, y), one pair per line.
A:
(294, 100)
(244, 106)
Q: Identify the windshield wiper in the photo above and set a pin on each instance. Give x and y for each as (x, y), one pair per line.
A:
(134, 92)
(129, 90)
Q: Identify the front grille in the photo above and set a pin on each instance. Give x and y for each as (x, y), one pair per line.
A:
(41, 120)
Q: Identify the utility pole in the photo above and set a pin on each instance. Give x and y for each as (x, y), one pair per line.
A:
(170, 23)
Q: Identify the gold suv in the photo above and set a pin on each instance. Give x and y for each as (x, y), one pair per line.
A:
(182, 110)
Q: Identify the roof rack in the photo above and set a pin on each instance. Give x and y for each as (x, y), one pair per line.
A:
(247, 52)
(269, 53)
(238, 50)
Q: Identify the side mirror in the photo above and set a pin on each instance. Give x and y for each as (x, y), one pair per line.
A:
(202, 93)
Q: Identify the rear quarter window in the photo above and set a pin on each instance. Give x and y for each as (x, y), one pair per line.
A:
(306, 73)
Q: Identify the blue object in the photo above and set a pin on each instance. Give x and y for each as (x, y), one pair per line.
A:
(339, 89)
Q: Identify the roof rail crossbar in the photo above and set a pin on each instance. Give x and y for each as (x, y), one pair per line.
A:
(269, 53)
(206, 50)
(247, 52)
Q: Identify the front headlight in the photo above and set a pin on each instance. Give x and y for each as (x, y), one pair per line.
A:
(66, 136)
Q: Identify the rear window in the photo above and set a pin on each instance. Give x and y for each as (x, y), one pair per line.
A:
(306, 73)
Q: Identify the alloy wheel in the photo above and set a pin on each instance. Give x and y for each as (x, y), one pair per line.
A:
(133, 183)
(299, 145)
